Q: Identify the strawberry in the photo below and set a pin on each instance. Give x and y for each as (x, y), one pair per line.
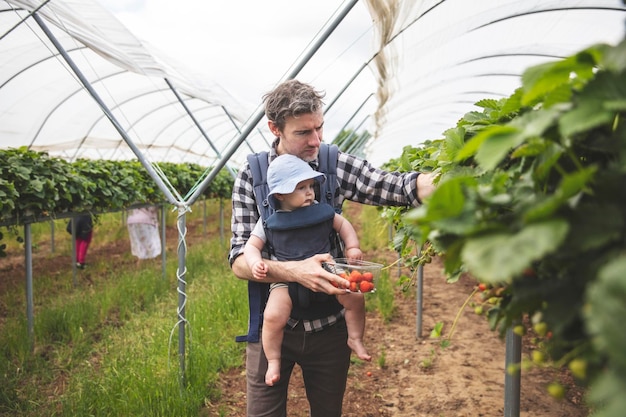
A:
(366, 286)
(355, 276)
(353, 287)
(368, 276)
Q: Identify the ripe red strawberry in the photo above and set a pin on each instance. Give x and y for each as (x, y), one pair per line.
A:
(355, 276)
(366, 286)
(368, 276)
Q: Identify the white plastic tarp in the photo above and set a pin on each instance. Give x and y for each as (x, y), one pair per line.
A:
(444, 56)
(430, 62)
(45, 107)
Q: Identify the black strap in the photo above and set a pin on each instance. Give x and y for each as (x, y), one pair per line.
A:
(328, 165)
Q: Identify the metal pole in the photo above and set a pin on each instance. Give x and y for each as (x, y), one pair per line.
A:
(232, 120)
(512, 384)
(52, 243)
(74, 260)
(195, 121)
(355, 113)
(420, 296)
(28, 255)
(204, 227)
(182, 296)
(163, 240)
(356, 145)
(256, 118)
(221, 220)
(345, 87)
(105, 109)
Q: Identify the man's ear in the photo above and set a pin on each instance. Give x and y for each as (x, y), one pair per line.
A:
(273, 128)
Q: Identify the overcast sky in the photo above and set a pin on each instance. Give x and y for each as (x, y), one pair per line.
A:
(246, 46)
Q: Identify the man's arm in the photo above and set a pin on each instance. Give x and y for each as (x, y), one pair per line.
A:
(361, 182)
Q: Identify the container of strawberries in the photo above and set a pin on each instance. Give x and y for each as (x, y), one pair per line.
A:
(362, 275)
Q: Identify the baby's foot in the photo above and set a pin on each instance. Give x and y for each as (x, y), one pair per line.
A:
(272, 375)
(359, 349)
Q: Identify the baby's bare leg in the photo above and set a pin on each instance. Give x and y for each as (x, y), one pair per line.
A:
(275, 318)
(354, 304)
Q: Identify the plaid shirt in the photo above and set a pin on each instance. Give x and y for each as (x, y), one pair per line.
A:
(357, 181)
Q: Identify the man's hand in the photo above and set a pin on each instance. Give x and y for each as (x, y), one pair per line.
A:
(309, 273)
(425, 186)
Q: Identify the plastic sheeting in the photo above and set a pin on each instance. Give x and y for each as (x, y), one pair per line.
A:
(440, 57)
(44, 106)
(430, 62)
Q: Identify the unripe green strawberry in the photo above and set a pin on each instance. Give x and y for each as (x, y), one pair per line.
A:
(578, 368)
(556, 390)
(519, 330)
(541, 328)
(538, 357)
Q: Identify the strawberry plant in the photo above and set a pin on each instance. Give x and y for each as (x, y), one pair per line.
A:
(530, 197)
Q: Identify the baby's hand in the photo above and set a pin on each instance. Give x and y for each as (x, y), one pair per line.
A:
(354, 254)
(259, 270)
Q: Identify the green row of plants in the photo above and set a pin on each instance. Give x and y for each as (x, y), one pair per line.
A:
(531, 201)
(35, 185)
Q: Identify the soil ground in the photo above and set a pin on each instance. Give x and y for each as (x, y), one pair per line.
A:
(411, 374)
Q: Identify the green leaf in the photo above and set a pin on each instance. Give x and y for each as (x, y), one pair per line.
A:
(447, 200)
(607, 304)
(494, 131)
(607, 394)
(498, 257)
(455, 140)
(592, 109)
(585, 116)
(436, 331)
(547, 160)
(614, 58)
(570, 186)
(496, 147)
(542, 80)
(597, 225)
(534, 124)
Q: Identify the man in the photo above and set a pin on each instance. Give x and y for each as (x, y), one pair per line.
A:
(295, 117)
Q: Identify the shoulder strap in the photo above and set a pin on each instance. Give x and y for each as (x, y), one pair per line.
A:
(257, 292)
(258, 168)
(328, 165)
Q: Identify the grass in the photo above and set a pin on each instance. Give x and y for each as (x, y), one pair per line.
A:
(109, 347)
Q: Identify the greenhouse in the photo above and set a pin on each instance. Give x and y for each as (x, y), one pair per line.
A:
(516, 107)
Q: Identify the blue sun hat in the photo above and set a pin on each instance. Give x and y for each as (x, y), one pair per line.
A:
(286, 171)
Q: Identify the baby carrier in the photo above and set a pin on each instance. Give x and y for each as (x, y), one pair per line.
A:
(258, 292)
